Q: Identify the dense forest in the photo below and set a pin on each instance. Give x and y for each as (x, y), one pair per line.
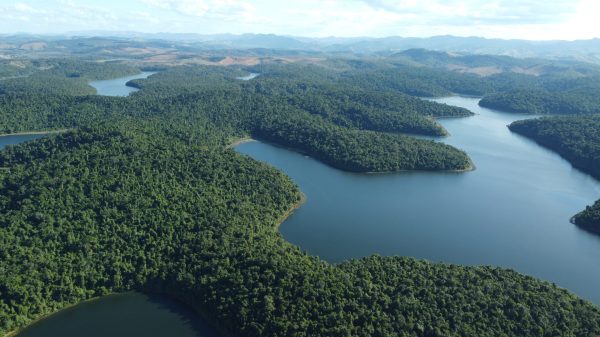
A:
(576, 138)
(113, 208)
(143, 194)
(359, 150)
(272, 107)
(554, 95)
(60, 76)
(589, 218)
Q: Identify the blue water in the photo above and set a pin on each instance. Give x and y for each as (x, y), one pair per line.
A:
(117, 87)
(16, 139)
(512, 211)
(122, 315)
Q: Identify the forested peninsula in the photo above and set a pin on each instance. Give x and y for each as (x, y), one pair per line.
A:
(567, 95)
(307, 112)
(577, 139)
(144, 194)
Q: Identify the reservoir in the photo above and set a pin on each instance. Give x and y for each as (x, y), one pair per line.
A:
(513, 211)
(117, 86)
(16, 139)
(122, 315)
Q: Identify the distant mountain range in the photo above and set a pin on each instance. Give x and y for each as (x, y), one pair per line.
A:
(581, 50)
(584, 50)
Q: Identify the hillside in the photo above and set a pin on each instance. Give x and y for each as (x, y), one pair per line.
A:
(143, 193)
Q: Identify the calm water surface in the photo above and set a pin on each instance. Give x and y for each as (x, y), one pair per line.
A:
(122, 315)
(512, 211)
(16, 139)
(117, 87)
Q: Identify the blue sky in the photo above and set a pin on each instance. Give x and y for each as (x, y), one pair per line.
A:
(526, 19)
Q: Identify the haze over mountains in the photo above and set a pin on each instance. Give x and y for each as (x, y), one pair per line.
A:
(581, 50)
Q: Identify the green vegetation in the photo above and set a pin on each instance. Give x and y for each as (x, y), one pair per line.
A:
(577, 139)
(335, 114)
(549, 96)
(109, 209)
(361, 151)
(70, 77)
(589, 218)
(543, 102)
(144, 195)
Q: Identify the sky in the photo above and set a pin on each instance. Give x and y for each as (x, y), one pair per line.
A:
(507, 19)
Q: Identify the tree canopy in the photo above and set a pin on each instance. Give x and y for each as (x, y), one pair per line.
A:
(143, 194)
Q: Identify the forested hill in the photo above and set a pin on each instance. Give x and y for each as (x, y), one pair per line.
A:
(117, 207)
(576, 138)
(335, 119)
(570, 91)
(143, 194)
(58, 76)
(578, 100)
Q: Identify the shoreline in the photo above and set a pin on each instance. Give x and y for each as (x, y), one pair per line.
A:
(470, 168)
(239, 141)
(43, 317)
(278, 223)
(291, 211)
(30, 133)
(590, 229)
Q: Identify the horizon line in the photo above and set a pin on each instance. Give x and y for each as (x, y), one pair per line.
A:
(107, 33)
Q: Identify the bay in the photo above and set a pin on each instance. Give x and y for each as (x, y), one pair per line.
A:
(513, 211)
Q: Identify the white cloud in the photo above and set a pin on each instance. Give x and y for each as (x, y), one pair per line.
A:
(534, 19)
(464, 12)
(223, 9)
(25, 8)
(146, 17)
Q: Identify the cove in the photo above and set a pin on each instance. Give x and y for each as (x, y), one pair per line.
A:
(17, 139)
(117, 86)
(122, 315)
(512, 211)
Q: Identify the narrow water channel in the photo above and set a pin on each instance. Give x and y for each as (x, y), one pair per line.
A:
(513, 211)
(117, 86)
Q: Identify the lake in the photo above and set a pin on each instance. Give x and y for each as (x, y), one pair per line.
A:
(513, 211)
(16, 139)
(122, 315)
(117, 87)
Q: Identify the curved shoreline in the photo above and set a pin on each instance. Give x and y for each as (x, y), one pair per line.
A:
(220, 330)
(238, 141)
(28, 133)
(47, 316)
(291, 211)
(243, 140)
(278, 223)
